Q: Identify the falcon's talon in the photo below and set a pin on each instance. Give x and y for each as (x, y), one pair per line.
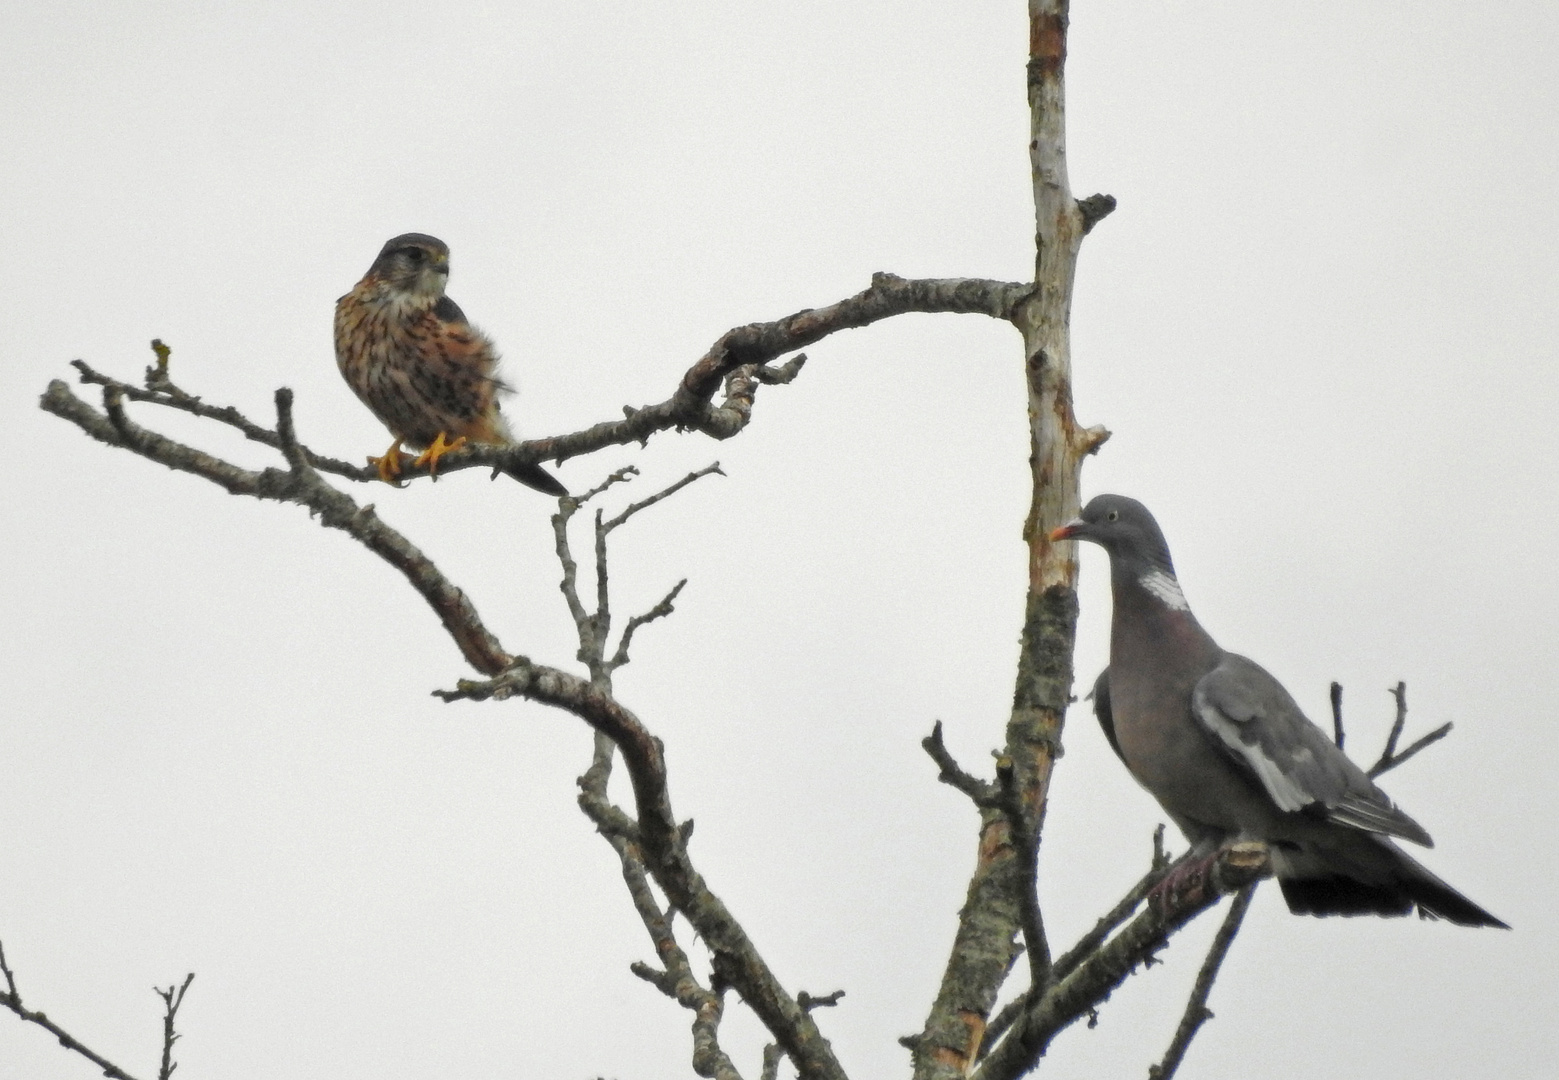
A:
(391, 464)
(438, 449)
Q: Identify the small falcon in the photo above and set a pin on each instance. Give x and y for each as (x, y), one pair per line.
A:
(408, 352)
(1228, 753)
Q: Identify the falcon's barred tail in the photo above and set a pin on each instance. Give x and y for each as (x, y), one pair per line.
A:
(534, 476)
(1410, 884)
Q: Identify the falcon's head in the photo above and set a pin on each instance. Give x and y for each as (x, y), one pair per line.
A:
(414, 264)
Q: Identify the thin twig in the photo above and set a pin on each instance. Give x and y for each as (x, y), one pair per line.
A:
(1086, 945)
(1400, 693)
(1024, 829)
(981, 792)
(1337, 714)
(1196, 1011)
(659, 611)
(12, 999)
(1117, 915)
(172, 998)
(162, 392)
(1433, 737)
(827, 1001)
(1096, 977)
(666, 493)
(772, 1053)
(332, 508)
(1390, 758)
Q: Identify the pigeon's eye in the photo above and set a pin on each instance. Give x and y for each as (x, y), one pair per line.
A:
(1113, 515)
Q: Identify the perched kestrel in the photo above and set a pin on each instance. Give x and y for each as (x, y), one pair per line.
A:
(430, 376)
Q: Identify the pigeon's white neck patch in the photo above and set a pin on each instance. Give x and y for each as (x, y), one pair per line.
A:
(1166, 588)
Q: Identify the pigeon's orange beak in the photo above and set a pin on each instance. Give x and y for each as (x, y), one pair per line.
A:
(1067, 531)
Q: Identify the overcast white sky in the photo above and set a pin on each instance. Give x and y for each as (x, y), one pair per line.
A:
(1321, 326)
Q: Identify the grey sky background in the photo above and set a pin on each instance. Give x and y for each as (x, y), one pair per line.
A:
(1320, 325)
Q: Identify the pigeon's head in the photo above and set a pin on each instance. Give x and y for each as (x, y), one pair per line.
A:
(1124, 528)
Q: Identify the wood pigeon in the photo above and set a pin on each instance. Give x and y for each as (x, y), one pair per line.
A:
(1228, 753)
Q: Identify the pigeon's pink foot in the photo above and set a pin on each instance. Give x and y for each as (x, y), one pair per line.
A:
(1186, 883)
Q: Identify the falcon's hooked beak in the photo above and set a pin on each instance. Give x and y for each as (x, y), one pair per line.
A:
(1068, 531)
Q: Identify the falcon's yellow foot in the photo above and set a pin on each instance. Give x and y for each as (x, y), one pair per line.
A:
(390, 464)
(439, 448)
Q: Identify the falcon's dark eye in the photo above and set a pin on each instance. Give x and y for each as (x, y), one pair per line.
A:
(415, 255)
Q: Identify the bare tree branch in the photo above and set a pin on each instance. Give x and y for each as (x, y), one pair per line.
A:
(12, 999)
(334, 509)
(172, 998)
(981, 792)
(659, 611)
(1196, 1012)
(985, 943)
(1086, 945)
(739, 359)
(1400, 693)
(1390, 758)
(1336, 695)
(736, 959)
(1074, 996)
(751, 347)
(1024, 831)
(1387, 764)
(666, 493)
(1069, 960)
(163, 392)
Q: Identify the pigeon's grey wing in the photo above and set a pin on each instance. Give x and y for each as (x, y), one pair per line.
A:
(1264, 732)
(1100, 694)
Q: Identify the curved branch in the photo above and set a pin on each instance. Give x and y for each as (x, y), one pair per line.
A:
(736, 960)
(744, 352)
(1196, 1011)
(302, 485)
(1096, 977)
(11, 998)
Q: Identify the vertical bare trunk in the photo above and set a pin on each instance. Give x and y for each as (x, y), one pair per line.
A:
(986, 943)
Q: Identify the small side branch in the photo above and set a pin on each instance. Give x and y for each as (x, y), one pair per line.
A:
(160, 390)
(1097, 976)
(1196, 1011)
(1095, 209)
(772, 1053)
(1390, 757)
(1025, 841)
(1068, 961)
(980, 792)
(659, 611)
(172, 998)
(634, 508)
(746, 353)
(12, 999)
(663, 844)
(297, 484)
(1337, 733)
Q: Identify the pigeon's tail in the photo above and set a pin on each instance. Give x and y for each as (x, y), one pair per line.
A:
(534, 476)
(1345, 884)
(1438, 900)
